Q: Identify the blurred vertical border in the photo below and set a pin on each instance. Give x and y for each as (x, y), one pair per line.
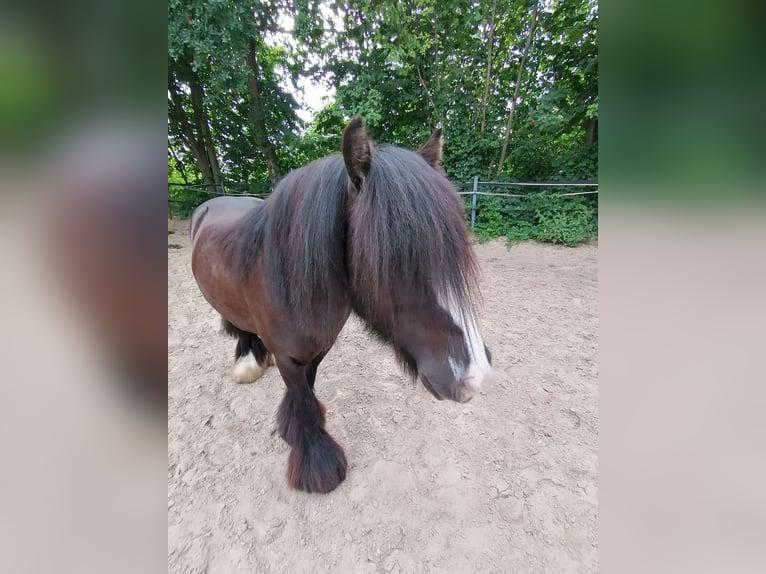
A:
(682, 244)
(83, 291)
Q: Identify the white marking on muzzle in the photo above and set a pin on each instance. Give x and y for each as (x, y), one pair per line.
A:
(478, 369)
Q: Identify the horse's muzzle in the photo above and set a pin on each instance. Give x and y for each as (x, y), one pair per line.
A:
(429, 388)
(466, 389)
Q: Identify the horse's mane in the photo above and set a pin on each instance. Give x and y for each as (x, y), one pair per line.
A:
(409, 236)
(409, 233)
(300, 232)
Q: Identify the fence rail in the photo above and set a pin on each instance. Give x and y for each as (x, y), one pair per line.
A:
(537, 184)
(524, 194)
(474, 192)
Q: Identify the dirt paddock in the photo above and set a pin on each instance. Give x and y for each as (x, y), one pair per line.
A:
(506, 483)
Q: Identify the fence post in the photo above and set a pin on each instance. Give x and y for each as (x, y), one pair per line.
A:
(473, 201)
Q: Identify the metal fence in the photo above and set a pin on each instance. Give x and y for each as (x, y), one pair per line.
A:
(200, 193)
(196, 193)
(475, 192)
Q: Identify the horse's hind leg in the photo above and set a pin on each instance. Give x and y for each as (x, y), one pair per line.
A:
(251, 356)
(316, 463)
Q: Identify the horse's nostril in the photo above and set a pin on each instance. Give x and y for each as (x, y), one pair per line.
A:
(471, 384)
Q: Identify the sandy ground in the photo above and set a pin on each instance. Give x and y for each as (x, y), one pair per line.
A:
(506, 483)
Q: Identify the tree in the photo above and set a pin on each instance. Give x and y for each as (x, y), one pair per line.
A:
(515, 98)
(189, 120)
(514, 83)
(226, 104)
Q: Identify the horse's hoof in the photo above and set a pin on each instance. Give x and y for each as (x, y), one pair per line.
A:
(247, 370)
(317, 468)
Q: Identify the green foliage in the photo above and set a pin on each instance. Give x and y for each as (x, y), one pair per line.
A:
(183, 199)
(490, 219)
(208, 47)
(406, 67)
(520, 231)
(566, 220)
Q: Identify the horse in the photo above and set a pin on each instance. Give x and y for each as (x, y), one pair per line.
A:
(376, 230)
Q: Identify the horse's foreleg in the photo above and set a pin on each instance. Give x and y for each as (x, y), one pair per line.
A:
(311, 371)
(317, 463)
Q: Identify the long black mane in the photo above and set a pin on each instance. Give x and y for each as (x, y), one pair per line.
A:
(409, 235)
(404, 230)
(300, 231)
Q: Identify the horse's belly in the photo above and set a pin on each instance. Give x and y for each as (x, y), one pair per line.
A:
(211, 227)
(221, 286)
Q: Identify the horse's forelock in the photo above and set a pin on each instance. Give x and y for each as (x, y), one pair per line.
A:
(409, 235)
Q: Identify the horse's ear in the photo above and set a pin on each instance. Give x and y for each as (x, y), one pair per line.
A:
(356, 151)
(432, 150)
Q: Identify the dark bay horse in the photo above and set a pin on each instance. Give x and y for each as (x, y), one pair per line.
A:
(378, 230)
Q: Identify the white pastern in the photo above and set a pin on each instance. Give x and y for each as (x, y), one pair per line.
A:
(247, 369)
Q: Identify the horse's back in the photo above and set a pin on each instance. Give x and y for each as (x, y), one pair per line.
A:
(221, 213)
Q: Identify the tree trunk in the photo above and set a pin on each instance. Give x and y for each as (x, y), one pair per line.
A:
(437, 47)
(590, 135)
(485, 98)
(426, 90)
(203, 129)
(179, 115)
(258, 117)
(509, 127)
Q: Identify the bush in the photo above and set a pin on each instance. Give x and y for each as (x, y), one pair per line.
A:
(567, 220)
(521, 231)
(490, 220)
